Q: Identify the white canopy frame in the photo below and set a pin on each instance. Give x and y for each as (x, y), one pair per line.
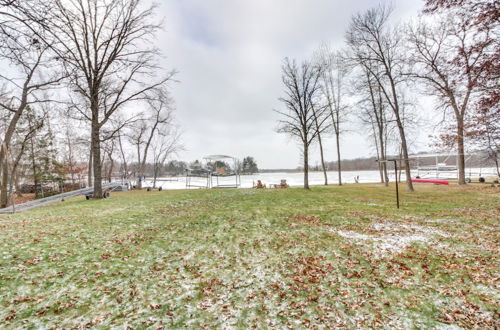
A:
(206, 177)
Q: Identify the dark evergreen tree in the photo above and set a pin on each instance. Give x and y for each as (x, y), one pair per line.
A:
(249, 165)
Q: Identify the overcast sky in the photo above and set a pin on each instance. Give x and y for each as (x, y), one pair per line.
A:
(229, 53)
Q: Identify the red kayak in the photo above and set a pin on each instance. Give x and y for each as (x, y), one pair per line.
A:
(431, 181)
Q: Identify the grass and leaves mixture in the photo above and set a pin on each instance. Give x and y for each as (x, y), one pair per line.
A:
(329, 257)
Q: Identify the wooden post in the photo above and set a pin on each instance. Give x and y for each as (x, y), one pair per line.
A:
(396, 179)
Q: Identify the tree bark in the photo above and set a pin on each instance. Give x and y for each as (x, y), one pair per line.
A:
(382, 152)
(382, 129)
(125, 167)
(71, 159)
(306, 166)
(460, 151)
(322, 159)
(36, 184)
(89, 174)
(155, 174)
(4, 188)
(404, 150)
(321, 148)
(378, 150)
(339, 165)
(110, 170)
(402, 135)
(96, 157)
(140, 175)
(498, 167)
(18, 186)
(4, 151)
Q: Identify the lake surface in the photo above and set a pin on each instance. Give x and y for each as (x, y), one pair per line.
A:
(315, 178)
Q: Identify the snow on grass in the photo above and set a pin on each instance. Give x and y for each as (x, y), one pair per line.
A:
(393, 237)
(386, 244)
(249, 258)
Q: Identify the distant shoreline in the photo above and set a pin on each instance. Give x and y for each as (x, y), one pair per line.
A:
(350, 170)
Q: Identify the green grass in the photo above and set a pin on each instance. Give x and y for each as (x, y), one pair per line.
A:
(332, 256)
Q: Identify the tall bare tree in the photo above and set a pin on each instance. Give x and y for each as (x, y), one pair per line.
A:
(318, 121)
(165, 144)
(445, 56)
(333, 88)
(375, 115)
(31, 122)
(158, 116)
(123, 156)
(108, 49)
(302, 103)
(378, 48)
(33, 74)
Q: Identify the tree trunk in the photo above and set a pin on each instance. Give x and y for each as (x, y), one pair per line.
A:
(110, 170)
(339, 162)
(18, 186)
(379, 156)
(4, 151)
(14, 177)
(382, 153)
(140, 175)
(460, 151)
(320, 147)
(322, 159)
(155, 175)
(380, 171)
(306, 166)
(386, 175)
(96, 158)
(89, 171)
(498, 168)
(70, 158)
(404, 149)
(125, 168)
(4, 191)
(36, 183)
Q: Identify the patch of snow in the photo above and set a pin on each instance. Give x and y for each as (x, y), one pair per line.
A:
(386, 244)
(393, 226)
(394, 237)
(440, 221)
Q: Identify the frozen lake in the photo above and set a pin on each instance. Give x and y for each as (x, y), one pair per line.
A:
(315, 178)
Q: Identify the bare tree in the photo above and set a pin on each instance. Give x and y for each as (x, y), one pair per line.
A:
(165, 144)
(445, 56)
(73, 150)
(158, 115)
(380, 50)
(333, 78)
(109, 147)
(302, 105)
(34, 74)
(375, 115)
(28, 126)
(108, 49)
(124, 164)
(318, 121)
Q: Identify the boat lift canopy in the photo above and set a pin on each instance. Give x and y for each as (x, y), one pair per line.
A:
(211, 177)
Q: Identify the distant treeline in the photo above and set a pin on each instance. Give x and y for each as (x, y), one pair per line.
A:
(249, 166)
(370, 163)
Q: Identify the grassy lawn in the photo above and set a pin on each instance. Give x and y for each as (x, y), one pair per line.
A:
(333, 256)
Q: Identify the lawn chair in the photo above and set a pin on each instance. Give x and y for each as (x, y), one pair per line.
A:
(283, 184)
(259, 185)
